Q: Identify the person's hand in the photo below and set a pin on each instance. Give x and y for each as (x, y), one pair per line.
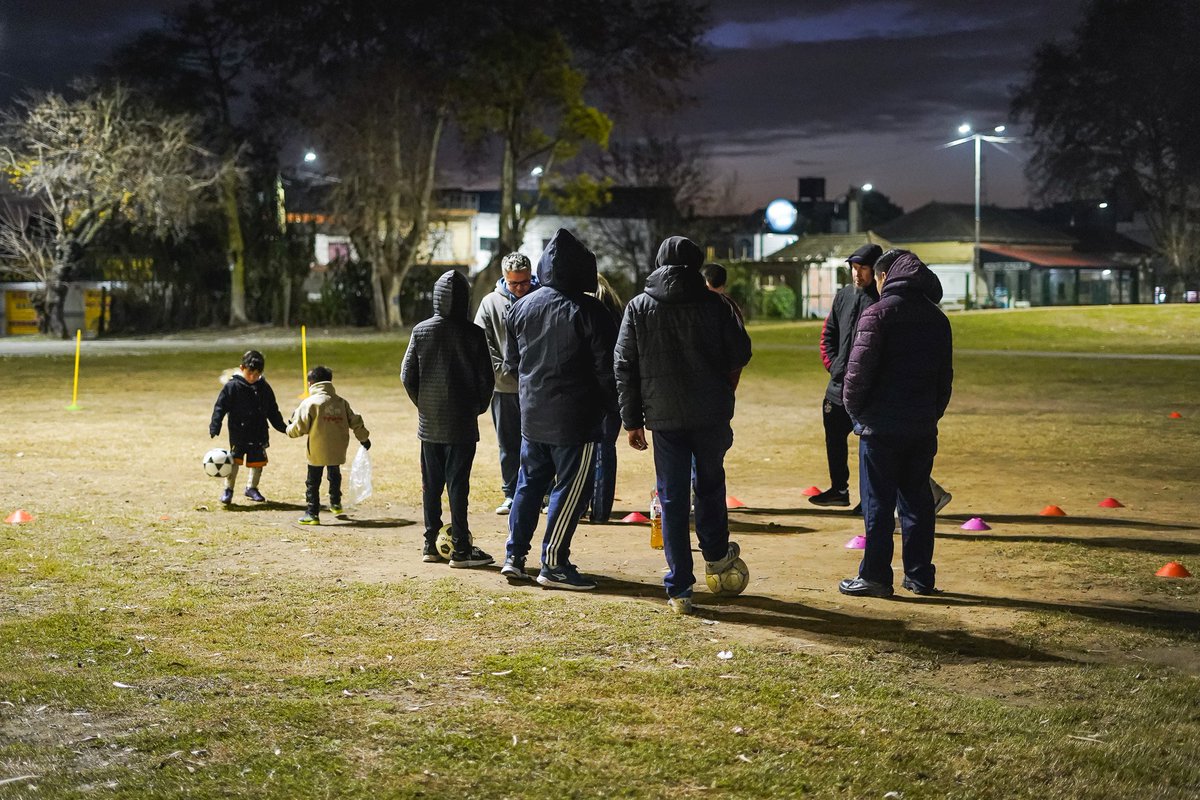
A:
(637, 438)
(366, 444)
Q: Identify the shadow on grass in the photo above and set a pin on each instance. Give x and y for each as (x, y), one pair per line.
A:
(1170, 547)
(1170, 620)
(1082, 522)
(738, 526)
(270, 505)
(829, 624)
(373, 523)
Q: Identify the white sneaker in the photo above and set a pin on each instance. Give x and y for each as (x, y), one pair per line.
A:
(680, 605)
(942, 502)
(722, 564)
(504, 507)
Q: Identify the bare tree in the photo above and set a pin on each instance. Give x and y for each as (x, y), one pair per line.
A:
(103, 158)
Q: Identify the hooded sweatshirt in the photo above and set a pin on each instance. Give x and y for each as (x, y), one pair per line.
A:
(560, 345)
(327, 419)
(250, 407)
(898, 379)
(447, 371)
(493, 310)
(679, 347)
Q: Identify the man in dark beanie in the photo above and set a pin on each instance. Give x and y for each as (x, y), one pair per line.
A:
(560, 347)
(836, 336)
(896, 389)
(678, 352)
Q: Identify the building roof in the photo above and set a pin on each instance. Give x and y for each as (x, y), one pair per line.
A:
(956, 222)
(1047, 257)
(823, 246)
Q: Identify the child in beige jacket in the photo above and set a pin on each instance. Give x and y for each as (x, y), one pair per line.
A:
(327, 420)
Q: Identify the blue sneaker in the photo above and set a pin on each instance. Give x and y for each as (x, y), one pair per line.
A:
(227, 497)
(564, 577)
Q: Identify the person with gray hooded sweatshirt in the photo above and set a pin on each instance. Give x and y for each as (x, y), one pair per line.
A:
(448, 375)
(896, 388)
(560, 347)
(678, 355)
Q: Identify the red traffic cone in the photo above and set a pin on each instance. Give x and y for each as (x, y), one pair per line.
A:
(733, 502)
(635, 516)
(976, 524)
(811, 491)
(1111, 502)
(1173, 569)
(1175, 415)
(1052, 511)
(19, 516)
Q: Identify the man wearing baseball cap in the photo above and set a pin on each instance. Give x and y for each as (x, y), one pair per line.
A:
(836, 337)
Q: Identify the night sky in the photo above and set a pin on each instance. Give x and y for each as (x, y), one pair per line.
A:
(850, 90)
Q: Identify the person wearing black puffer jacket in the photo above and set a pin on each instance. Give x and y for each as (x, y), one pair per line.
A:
(560, 347)
(447, 373)
(896, 388)
(678, 354)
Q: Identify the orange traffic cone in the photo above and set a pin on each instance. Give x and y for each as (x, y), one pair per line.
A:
(1173, 569)
(635, 516)
(1052, 511)
(1175, 415)
(733, 502)
(1111, 502)
(19, 516)
(811, 491)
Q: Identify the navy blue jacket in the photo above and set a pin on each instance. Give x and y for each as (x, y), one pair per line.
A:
(447, 370)
(250, 407)
(679, 347)
(837, 334)
(560, 347)
(899, 376)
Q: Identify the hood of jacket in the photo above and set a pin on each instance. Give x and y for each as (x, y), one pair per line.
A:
(677, 278)
(677, 251)
(322, 387)
(503, 290)
(452, 296)
(566, 265)
(908, 274)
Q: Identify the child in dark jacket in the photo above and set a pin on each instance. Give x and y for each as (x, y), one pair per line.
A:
(249, 402)
(448, 375)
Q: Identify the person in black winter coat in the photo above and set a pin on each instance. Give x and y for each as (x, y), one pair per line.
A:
(560, 345)
(447, 373)
(678, 354)
(896, 388)
(836, 336)
(250, 404)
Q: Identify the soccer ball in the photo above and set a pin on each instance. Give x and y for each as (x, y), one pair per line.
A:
(730, 582)
(445, 543)
(217, 463)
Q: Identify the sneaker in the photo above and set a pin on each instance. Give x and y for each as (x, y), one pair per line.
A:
(831, 497)
(470, 558)
(859, 587)
(227, 497)
(722, 564)
(514, 570)
(254, 494)
(505, 507)
(430, 554)
(917, 588)
(680, 605)
(942, 502)
(336, 509)
(857, 510)
(545, 507)
(310, 519)
(564, 577)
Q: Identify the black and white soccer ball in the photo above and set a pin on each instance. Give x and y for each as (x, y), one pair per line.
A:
(217, 463)
(445, 543)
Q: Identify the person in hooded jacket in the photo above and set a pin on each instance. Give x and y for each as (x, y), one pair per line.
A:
(678, 353)
(560, 345)
(250, 403)
(448, 375)
(896, 388)
(517, 281)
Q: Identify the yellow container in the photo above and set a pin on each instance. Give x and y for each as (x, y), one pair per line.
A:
(656, 533)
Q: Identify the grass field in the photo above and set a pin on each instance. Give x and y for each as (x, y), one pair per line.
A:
(154, 645)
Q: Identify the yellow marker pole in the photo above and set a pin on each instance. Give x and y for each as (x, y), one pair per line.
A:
(304, 360)
(75, 388)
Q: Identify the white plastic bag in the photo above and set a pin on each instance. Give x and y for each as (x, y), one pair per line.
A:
(360, 477)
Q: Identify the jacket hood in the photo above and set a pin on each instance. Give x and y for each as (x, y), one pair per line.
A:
(676, 284)
(567, 265)
(909, 274)
(452, 296)
(322, 387)
(677, 251)
(502, 287)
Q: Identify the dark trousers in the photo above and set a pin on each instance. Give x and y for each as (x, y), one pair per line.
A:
(312, 487)
(894, 473)
(506, 416)
(838, 428)
(676, 455)
(604, 480)
(447, 466)
(569, 495)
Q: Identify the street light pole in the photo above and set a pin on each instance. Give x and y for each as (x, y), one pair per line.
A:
(979, 139)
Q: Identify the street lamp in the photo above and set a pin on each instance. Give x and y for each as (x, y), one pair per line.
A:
(995, 138)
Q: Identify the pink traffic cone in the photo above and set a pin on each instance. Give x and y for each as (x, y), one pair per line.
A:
(857, 543)
(976, 524)
(635, 517)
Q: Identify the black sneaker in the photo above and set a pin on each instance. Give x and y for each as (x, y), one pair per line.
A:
(858, 587)
(514, 570)
(917, 588)
(831, 497)
(430, 554)
(470, 558)
(857, 510)
(565, 577)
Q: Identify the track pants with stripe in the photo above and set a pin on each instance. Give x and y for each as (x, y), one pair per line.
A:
(569, 496)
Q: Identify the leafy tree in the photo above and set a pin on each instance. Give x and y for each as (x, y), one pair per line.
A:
(1113, 112)
(105, 157)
